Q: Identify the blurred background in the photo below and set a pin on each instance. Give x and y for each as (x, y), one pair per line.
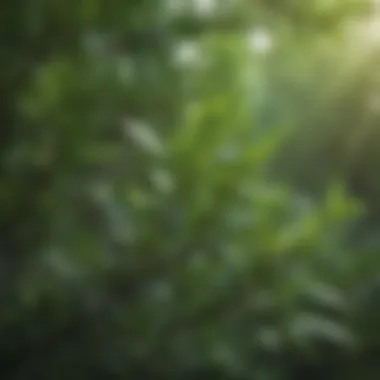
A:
(190, 189)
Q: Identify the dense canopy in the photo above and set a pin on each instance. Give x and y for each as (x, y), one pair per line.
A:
(189, 188)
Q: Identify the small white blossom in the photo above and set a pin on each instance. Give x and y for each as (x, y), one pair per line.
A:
(186, 54)
(205, 7)
(260, 41)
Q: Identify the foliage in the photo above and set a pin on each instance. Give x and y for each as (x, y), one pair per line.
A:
(147, 231)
